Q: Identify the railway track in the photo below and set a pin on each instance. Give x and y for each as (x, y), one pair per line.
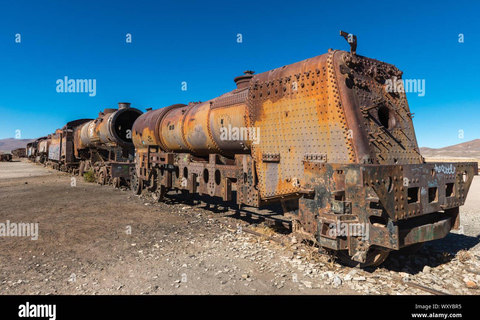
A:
(271, 219)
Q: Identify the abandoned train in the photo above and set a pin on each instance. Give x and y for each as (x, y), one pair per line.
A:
(102, 145)
(322, 136)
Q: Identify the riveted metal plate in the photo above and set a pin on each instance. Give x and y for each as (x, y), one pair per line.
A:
(378, 114)
(299, 111)
(231, 98)
(271, 157)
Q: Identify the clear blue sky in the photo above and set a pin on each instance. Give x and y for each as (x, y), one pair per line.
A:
(196, 42)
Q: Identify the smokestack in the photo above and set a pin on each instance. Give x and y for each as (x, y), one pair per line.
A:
(123, 105)
(243, 81)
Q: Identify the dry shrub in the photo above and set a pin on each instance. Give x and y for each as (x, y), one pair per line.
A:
(464, 256)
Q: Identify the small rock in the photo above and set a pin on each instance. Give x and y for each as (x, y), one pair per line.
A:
(361, 278)
(337, 281)
(471, 284)
(307, 284)
(352, 272)
(426, 269)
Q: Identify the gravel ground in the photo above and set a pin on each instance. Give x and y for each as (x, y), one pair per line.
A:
(99, 240)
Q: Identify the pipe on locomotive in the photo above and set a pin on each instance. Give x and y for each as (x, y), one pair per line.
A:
(198, 128)
(112, 127)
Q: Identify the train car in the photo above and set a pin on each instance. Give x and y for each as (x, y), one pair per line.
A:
(19, 152)
(42, 149)
(61, 148)
(5, 157)
(31, 150)
(325, 138)
(105, 145)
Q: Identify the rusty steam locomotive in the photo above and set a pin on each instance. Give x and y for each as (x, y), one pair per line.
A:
(323, 137)
(102, 145)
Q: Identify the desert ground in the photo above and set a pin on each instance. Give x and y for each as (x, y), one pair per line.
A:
(95, 239)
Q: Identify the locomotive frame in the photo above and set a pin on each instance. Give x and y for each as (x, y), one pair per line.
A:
(337, 150)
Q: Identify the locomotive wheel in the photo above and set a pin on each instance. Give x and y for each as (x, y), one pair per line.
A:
(159, 191)
(102, 177)
(375, 257)
(116, 182)
(136, 184)
(81, 168)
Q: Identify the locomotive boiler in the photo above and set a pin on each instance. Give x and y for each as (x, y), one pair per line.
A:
(105, 144)
(326, 139)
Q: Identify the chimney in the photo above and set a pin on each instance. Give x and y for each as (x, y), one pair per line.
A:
(123, 105)
(244, 80)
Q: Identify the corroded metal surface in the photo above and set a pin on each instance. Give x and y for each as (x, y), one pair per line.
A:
(105, 144)
(146, 127)
(380, 121)
(5, 157)
(54, 152)
(19, 152)
(101, 145)
(112, 127)
(298, 110)
(323, 136)
(332, 145)
(399, 205)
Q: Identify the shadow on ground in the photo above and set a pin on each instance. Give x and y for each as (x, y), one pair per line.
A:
(409, 260)
(432, 254)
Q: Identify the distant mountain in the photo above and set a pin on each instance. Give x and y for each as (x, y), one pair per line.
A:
(469, 149)
(7, 145)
